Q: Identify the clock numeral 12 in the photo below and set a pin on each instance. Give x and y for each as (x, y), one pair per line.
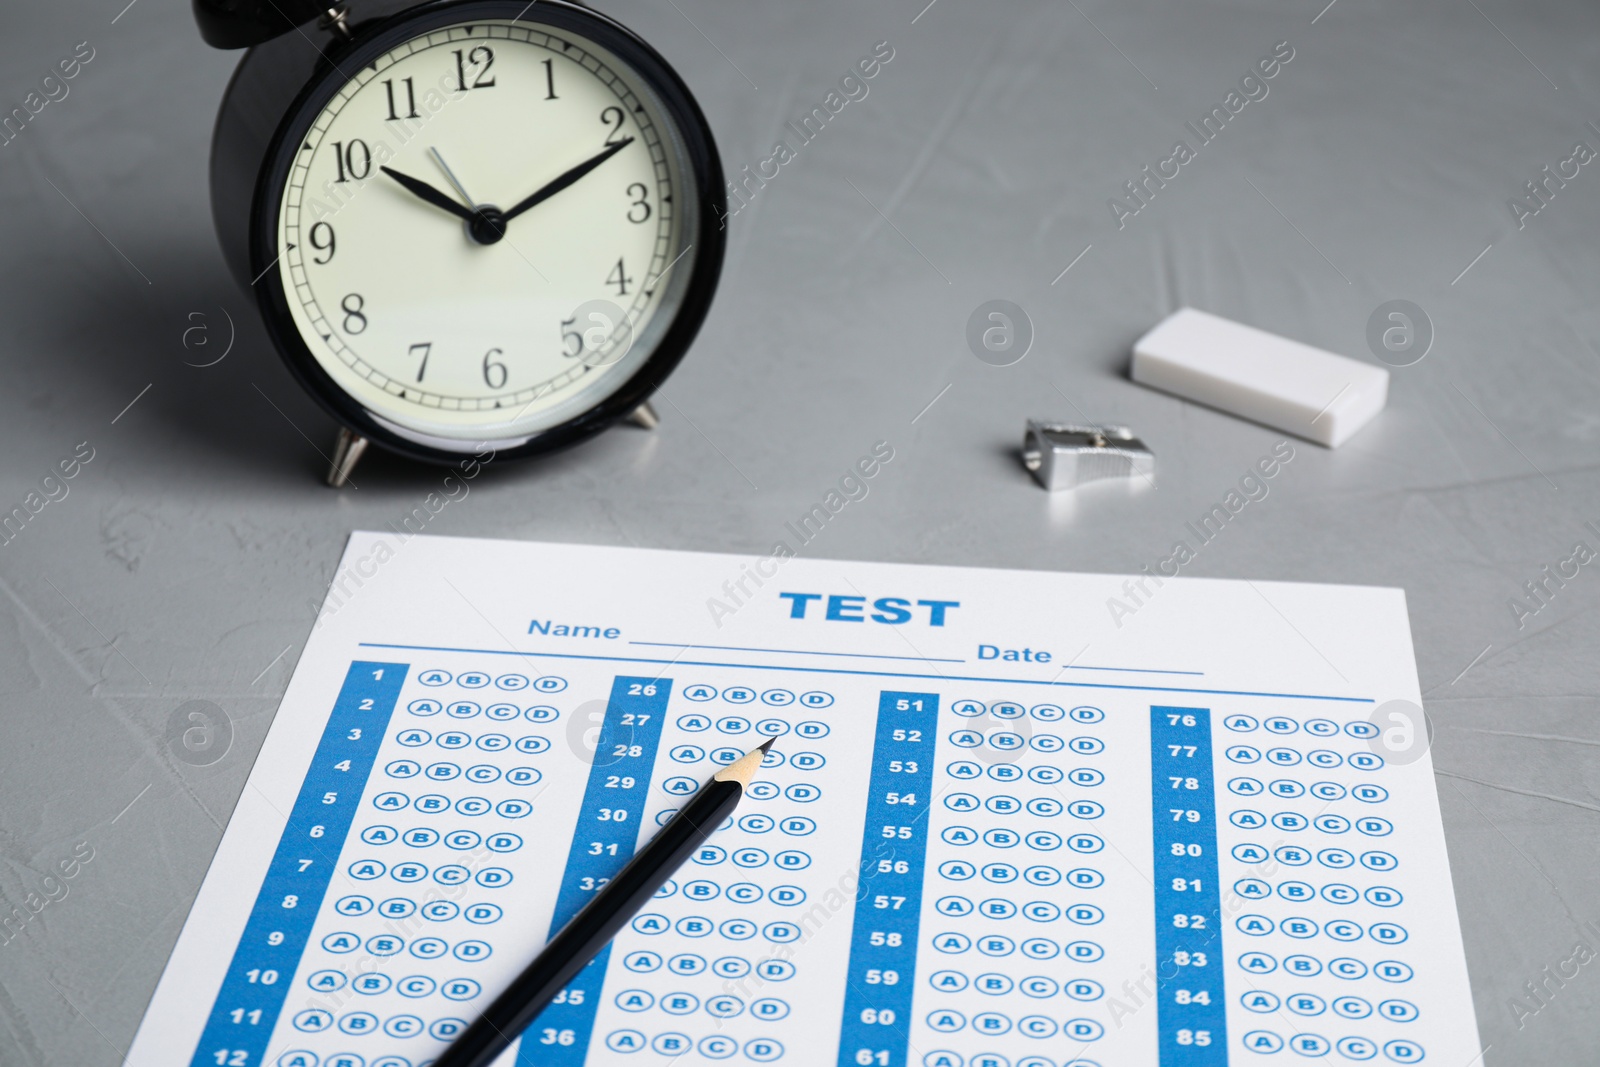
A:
(549, 79)
(411, 99)
(480, 59)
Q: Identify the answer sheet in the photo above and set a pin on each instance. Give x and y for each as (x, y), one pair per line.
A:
(1010, 819)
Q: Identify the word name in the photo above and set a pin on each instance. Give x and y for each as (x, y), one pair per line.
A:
(890, 610)
(551, 629)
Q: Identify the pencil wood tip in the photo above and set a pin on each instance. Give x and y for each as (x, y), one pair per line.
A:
(743, 770)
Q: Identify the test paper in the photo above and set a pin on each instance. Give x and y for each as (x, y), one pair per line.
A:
(1000, 825)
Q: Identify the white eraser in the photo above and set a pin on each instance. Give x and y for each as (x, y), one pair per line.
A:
(1260, 376)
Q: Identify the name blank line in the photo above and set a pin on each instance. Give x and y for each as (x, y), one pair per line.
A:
(797, 652)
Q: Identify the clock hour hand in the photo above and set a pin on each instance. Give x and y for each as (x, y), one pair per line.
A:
(550, 189)
(424, 191)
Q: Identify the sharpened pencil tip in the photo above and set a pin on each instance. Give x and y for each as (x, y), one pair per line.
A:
(766, 746)
(743, 770)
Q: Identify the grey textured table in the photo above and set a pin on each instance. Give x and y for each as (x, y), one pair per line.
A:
(185, 560)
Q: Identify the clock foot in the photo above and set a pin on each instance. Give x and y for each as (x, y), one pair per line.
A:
(644, 415)
(347, 450)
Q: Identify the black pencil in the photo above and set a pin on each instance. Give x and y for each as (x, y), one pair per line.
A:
(593, 928)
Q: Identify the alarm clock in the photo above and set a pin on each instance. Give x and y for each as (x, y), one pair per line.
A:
(472, 227)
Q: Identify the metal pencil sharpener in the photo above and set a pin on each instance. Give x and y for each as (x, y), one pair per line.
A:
(1065, 457)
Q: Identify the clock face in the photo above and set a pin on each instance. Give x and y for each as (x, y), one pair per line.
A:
(486, 230)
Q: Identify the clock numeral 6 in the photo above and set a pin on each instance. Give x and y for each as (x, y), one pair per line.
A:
(323, 241)
(354, 321)
(494, 374)
(353, 159)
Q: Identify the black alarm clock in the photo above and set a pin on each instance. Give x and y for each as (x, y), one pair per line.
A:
(471, 226)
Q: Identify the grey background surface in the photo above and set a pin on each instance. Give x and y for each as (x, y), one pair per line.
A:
(185, 561)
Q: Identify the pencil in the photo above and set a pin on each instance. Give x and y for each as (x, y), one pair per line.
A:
(593, 928)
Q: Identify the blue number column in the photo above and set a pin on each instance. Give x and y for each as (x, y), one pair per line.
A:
(883, 942)
(609, 819)
(257, 981)
(1191, 1013)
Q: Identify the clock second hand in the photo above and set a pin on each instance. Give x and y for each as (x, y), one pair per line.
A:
(487, 224)
(451, 176)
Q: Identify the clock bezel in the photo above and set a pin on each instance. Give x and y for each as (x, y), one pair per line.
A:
(709, 237)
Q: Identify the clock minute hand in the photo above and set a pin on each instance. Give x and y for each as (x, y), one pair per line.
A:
(424, 191)
(552, 188)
